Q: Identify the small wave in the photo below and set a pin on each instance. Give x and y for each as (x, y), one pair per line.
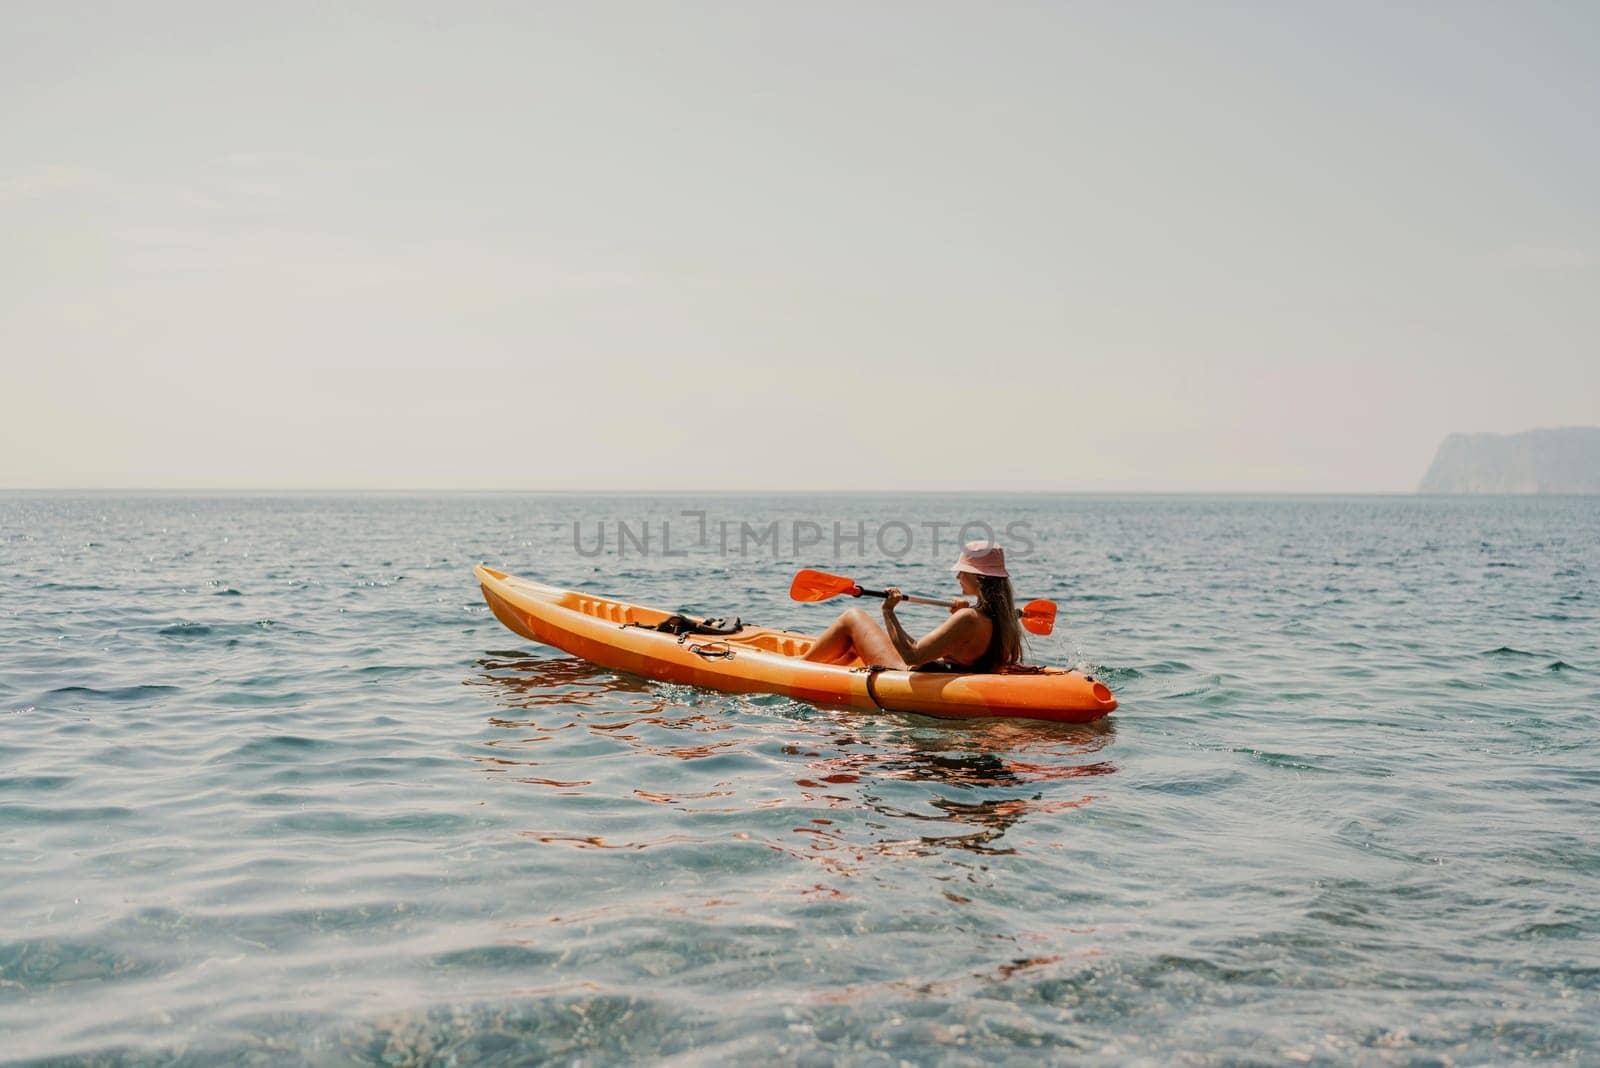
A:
(25, 784)
(595, 841)
(1550, 929)
(185, 630)
(533, 780)
(1192, 787)
(26, 814)
(124, 693)
(272, 746)
(1506, 650)
(1281, 760)
(496, 957)
(345, 823)
(1110, 675)
(1195, 691)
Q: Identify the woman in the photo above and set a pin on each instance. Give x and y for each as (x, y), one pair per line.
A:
(979, 638)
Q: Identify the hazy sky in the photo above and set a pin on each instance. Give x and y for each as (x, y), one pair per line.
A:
(1274, 246)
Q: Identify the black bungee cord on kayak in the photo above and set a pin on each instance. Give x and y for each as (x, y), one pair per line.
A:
(685, 625)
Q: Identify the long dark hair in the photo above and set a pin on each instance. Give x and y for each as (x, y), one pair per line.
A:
(996, 601)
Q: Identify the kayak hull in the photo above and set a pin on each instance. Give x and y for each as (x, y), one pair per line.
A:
(760, 660)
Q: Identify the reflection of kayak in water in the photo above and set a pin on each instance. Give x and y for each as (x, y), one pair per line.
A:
(623, 637)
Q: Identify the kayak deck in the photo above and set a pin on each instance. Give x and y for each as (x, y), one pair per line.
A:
(619, 635)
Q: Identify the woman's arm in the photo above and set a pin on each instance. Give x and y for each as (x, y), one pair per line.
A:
(950, 636)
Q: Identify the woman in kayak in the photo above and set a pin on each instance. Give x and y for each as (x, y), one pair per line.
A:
(983, 637)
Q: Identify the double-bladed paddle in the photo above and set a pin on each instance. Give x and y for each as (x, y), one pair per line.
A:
(1038, 617)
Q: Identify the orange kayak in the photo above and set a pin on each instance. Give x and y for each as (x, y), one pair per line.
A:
(620, 636)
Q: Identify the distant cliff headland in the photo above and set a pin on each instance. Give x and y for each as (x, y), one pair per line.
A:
(1538, 461)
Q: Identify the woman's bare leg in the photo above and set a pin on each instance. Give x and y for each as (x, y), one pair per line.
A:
(872, 643)
(855, 634)
(834, 643)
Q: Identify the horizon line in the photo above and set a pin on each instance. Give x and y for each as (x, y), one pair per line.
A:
(685, 492)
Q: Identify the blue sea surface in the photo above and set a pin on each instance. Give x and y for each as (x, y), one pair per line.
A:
(276, 787)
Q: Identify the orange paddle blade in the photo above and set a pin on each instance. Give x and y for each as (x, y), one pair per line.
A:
(812, 585)
(1039, 617)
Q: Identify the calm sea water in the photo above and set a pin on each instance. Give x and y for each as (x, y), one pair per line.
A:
(275, 787)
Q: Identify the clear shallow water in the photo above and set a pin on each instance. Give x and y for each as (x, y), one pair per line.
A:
(275, 786)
